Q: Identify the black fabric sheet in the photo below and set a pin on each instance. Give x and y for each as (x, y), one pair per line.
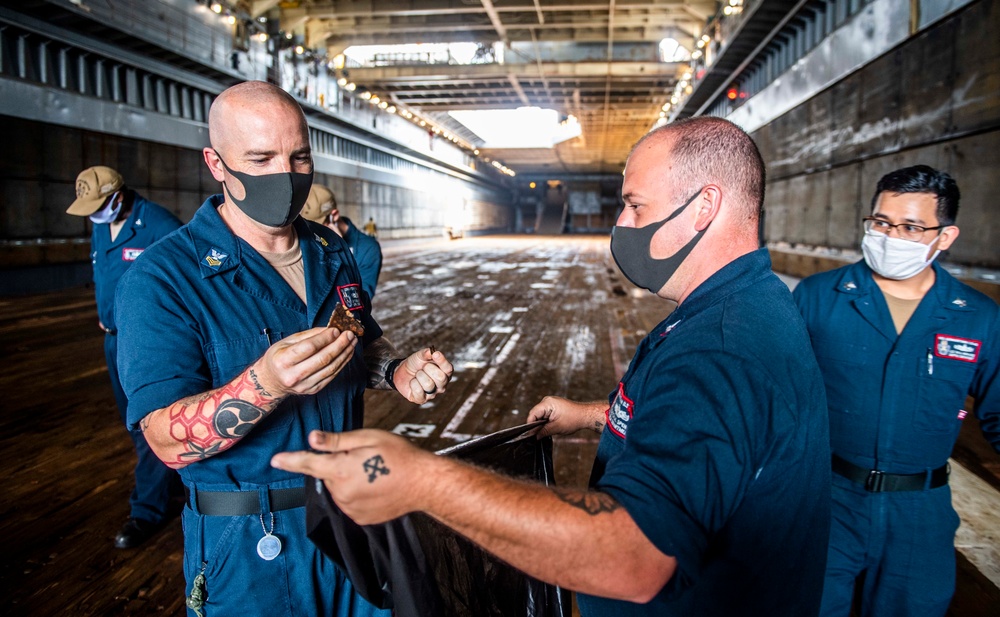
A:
(420, 568)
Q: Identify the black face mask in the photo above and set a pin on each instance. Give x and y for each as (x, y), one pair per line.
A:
(630, 248)
(271, 199)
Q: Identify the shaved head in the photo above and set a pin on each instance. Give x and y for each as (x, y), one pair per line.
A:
(256, 99)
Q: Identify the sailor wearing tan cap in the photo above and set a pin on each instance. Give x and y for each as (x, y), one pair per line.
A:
(125, 224)
(321, 207)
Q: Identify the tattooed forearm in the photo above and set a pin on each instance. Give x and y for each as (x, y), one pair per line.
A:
(209, 423)
(256, 384)
(591, 502)
(378, 355)
(375, 467)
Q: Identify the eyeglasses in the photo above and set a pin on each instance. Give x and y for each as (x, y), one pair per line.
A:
(906, 231)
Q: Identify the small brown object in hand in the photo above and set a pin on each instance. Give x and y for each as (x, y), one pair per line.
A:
(343, 320)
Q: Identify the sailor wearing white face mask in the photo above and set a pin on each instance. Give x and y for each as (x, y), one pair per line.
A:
(901, 344)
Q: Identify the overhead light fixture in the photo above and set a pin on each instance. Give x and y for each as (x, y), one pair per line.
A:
(366, 95)
(262, 37)
(300, 49)
(351, 87)
(342, 82)
(216, 7)
(231, 20)
(391, 109)
(383, 105)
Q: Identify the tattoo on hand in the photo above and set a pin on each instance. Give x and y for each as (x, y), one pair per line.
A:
(591, 502)
(374, 467)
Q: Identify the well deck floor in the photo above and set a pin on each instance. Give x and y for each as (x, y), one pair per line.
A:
(519, 317)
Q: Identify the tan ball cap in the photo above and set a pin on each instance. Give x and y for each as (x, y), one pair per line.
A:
(93, 186)
(320, 203)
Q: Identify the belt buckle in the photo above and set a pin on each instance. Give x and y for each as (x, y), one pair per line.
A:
(875, 481)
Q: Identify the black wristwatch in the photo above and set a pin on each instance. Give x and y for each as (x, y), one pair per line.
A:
(390, 371)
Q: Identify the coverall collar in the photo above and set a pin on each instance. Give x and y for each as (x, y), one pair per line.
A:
(941, 299)
(219, 251)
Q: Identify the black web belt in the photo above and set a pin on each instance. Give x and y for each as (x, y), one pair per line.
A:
(243, 503)
(881, 482)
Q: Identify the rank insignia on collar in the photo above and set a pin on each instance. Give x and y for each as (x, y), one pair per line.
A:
(959, 302)
(214, 258)
(321, 240)
(850, 286)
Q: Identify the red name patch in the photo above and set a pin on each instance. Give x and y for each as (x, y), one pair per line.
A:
(129, 254)
(956, 348)
(350, 297)
(620, 412)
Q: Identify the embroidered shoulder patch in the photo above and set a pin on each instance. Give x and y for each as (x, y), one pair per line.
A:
(350, 296)
(130, 254)
(214, 258)
(620, 412)
(955, 348)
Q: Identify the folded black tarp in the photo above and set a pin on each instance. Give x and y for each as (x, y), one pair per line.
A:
(420, 568)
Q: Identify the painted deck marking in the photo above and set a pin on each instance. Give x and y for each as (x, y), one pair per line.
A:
(466, 407)
(414, 430)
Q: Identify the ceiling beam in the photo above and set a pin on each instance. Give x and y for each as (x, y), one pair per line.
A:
(430, 8)
(567, 70)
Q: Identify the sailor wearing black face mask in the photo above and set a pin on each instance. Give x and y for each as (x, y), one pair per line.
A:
(901, 344)
(226, 359)
(704, 498)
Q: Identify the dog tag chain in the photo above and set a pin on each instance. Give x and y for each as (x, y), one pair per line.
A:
(269, 546)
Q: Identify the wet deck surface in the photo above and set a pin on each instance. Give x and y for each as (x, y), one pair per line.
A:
(519, 317)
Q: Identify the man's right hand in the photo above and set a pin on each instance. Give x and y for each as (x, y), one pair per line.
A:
(305, 362)
(566, 417)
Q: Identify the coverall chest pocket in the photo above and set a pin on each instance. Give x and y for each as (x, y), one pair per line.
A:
(231, 357)
(843, 367)
(944, 384)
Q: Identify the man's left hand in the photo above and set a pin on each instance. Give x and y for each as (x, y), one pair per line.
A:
(423, 376)
(372, 475)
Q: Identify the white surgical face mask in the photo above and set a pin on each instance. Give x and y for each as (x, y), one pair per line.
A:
(109, 212)
(895, 258)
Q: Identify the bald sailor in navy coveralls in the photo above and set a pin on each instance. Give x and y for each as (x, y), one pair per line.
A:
(234, 362)
(901, 344)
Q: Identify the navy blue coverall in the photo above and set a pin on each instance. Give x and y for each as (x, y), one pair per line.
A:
(367, 253)
(716, 445)
(147, 223)
(209, 306)
(896, 406)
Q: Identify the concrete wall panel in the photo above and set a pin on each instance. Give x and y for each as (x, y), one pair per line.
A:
(974, 162)
(21, 216)
(776, 205)
(62, 152)
(845, 100)
(976, 95)
(925, 78)
(847, 206)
